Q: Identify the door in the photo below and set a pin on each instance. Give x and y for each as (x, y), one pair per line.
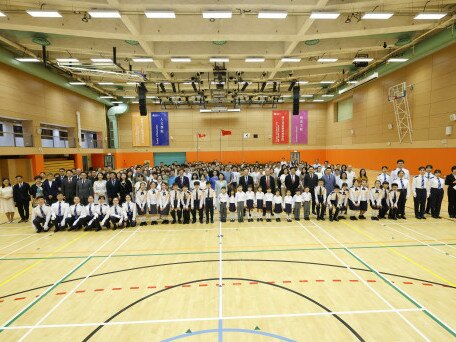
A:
(295, 157)
(109, 161)
(167, 158)
(85, 163)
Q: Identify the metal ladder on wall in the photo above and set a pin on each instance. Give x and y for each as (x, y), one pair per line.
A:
(398, 96)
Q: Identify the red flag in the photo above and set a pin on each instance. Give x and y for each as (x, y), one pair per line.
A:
(201, 135)
(225, 132)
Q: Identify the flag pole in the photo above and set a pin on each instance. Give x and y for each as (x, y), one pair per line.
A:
(197, 147)
(242, 137)
(220, 146)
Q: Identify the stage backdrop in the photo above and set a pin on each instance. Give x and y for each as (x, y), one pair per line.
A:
(299, 127)
(280, 126)
(140, 130)
(160, 129)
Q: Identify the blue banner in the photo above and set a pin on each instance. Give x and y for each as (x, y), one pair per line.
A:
(160, 129)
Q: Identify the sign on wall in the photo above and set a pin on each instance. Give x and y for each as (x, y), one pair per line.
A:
(280, 126)
(140, 130)
(160, 129)
(299, 127)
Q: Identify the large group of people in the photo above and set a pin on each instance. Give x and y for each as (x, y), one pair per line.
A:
(103, 198)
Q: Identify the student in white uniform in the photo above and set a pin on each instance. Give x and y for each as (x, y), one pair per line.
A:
(375, 198)
(232, 205)
(400, 167)
(223, 199)
(343, 201)
(306, 202)
(288, 205)
(153, 196)
(363, 199)
(320, 200)
(259, 196)
(277, 203)
(354, 200)
(421, 190)
(197, 202)
(384, 176)
(164, 203)
(429, 175)
(297, 204)
(385, 200)
(76, 215)
(116, 214)
(436, 184)
(59, 211)
(333, 202)
(250, 202)
(91, 220)
(241, 200)
(141, 204)
(393, 197)
(41, 215)
(268, 199)
(103, 213)
(175, 202)
(186, 199)
(403, 186)
(129, 208)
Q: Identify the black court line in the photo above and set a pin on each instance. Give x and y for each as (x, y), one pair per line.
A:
(226, 260)
(353, 331)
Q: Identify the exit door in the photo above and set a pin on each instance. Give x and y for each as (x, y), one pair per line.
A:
(295, 157)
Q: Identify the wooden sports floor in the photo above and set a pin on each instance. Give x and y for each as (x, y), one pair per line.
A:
(299, 281)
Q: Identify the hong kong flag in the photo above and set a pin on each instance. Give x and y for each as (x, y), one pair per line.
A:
(201, 135)
(225, 132)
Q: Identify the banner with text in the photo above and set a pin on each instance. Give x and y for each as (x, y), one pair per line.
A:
(140, 130)
(160, 129)
(280, 126)
(299, 127)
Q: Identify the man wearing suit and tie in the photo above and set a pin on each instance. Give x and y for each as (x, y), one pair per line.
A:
(50, 189)
(267, 181)
(84, 188)
(69, 187)
(245, 180)
(112, 187)
(182, 180)
(21, 196)
(329, 180)
(311, 181)
(292, 181)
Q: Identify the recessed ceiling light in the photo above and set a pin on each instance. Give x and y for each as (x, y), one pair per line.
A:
(303, 82)
(272, 14)
(67, 60)
(181, 59)
(430, 16)
(327, 60)
(101, 60)
(106, 97)
(160, 14)
(2, 14)
(106, 83)
(380, 16)
(27, 60)
(362, 59)
(142, 60)
(44, 14)
(217, 14)
(77, 83)
(318, 100)
(254, 59)
(327, 82)
(219, 60)
(397, 60)
(327, 95)
(324, 15)
(129, 97)
(291, 59)
(104, 14)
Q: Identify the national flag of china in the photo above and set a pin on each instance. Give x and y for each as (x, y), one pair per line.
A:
(201, 135)
(225, 132)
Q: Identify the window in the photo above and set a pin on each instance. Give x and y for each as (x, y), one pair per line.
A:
(82, 136)
(18, 133)
(46, 133)
(344, 109)
(63, 135)
(1, 130)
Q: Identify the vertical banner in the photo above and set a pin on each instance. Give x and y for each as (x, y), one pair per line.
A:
(280, 126)
(160, 129)
(140, 130)
(299, 127)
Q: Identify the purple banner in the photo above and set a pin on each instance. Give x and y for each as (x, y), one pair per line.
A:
(160, 129)
(299, 127)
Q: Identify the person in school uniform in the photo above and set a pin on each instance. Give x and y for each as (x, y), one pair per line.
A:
(259, 197)
(351, 175)
(375, 199)
(403, 186)
(429, 175)
(116, 214)
(343, 201)
(76, 215)
(354, 200)
(400, 167)
(91, 220)
(385, 200)
(268, 203)
(250, 202)
(153, 196)
(288, 205)
(320, 200)
(306, 202)
(297, 204)
(450, 180)
(436, 186)
(277, 203)
(232, 205)
(209, 202)
(59, 210)
(197, 202)
(333, 202)
(363, 199)
(175, 201)
(393, 197)
(384, 176)
(164, 204)
(125, 188)
(41, 216)
(421, 191)
(186, 199)
(141, 204)
(103, 213)
(223, 199)
(129, 209)
(241, 199)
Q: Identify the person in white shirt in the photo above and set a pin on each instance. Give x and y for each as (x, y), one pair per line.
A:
(141, 204)
(288, 205)
(429, 175)
(232, 205)
(333, 202)
(186, 199)
(59, 211)
(91, 219)
(250, 202)
(116, 214)
(385, 200)
(319, 172)
(240, 200)
(268, 199)
(306, 202)
(175, 201)
(421, 190)
(259, 197)
(297, 204)
(103, 213)
(384, 176)
(41, 215)
(153, 196)
(363, 199)
(375, 198)
(209, 202)
(400, 167)
(129, 209)
(197, 202)
(277, 203)
(436, 184)
(223, 199)
(351, 175)
(343, 201)
(164, 205)
(76, 215)
(394, 197)
(99, 187)
(320, 199)
(403, 186)
(354, 200)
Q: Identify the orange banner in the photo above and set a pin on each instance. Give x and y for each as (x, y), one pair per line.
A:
(140, 130)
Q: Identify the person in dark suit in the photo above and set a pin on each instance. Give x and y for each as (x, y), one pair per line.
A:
(84, 188)
(245, 180)
(329, 180)
(112, 187)
(450, 180)
(267, 181)
(125, 188)
(21, 196)
(182, 180)
(311, 181)
(50, 189)
(292, 181)
(69, 187)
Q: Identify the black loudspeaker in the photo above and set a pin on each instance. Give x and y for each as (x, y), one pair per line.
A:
(296, 91)
(142, 91)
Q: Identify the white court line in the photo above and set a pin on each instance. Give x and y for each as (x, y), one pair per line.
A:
(77, 286)
(425, 235)
(422, 242)
(18, 249)
(220, 286)
(199, 319)
(16, 234)
(12, 244)
(383, 299)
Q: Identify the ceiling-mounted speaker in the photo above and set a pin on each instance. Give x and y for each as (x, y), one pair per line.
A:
(296, 91)
(142, 91)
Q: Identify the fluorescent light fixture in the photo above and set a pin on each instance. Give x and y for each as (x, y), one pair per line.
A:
(106, 97)
(254, 59)
(27, 60)
(2, 14)
(129, 97)
(142, 60)
(67, 60)
(44, 14)
(378, 16)
(151, 97)
(77, 83)
(360, 82)
(303, 82)
(327, 82)
(362, 59)
(116, 102)
(135, 102)
(132, 83)
(216, 82)
(397, 60)
(106, 83)
(217, 14)
(104, 14)
(352, 82)
(306, 95)
(160, 14)
(219, 59)
(272, 14)
(101, 60)
(234, 110)
(181, 59)
(291, 59)
(327, 95)
(286, 95)
(302, 100)
(324, 15)
(429, 16)
(327, 60)
(316, 100)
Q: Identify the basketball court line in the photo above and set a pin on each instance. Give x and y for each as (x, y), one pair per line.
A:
(18, 249)
(206, 319)
(5, 247)
(220, 285)
(76, 287)
(383, 299)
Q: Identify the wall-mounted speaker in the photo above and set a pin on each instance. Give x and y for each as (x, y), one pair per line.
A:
(296, 91)
(142, 91)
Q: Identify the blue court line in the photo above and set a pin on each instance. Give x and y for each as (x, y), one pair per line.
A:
(229, 330)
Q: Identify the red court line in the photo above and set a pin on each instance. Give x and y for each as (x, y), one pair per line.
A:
(60, 293)
(407, 282)
(116, 288)
(80, 291)
(98, 290)
(20, 298)
(371, 281)
(151, 287)
(134, 288)
(337, 280)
